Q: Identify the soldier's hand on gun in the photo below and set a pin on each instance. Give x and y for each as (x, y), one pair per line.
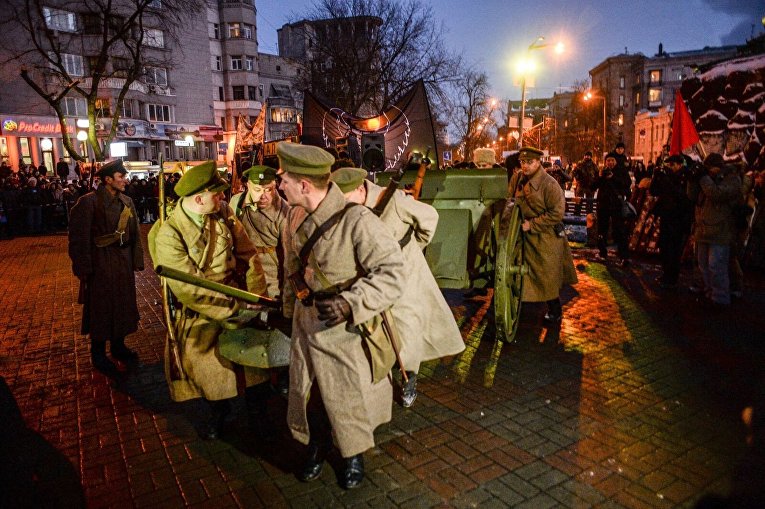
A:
(334, 310)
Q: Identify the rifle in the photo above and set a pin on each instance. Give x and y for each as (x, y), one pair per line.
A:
(387, 194)
(420, 176)
(168, 307)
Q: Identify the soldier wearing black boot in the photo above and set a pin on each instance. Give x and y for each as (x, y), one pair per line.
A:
(105, 248)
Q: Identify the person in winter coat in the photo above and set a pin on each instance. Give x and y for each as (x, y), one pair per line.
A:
(338, 288)
(715, 193)
(547, 252)
(105, 249)
(613, 186)
(423, 318)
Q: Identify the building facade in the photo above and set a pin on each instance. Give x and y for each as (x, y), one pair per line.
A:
(633, 83)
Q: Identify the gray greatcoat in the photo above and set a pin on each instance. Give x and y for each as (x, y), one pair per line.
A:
(217, 251)
(425, 322)
(359, 257)
(548, 256)
(264, 227)
(107, 273)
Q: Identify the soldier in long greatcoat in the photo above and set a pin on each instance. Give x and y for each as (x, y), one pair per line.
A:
(546, 248)
(105, 249)
(354, 271)
(203, 238)
(263, 213)
(423, 318)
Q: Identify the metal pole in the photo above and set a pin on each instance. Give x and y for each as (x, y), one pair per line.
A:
(604, 124)
(523, 111)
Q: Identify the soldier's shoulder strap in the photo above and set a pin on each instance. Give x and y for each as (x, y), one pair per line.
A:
(305, 251)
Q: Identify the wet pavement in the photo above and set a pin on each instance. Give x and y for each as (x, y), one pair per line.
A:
(634, 401)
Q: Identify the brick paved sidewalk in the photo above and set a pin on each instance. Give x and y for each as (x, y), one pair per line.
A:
(633, 403)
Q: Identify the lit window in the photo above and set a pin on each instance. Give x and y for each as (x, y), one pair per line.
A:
(57, 19)
(153, 37)
(621, 81)
(655, 76)
(234, 30)
(654, 95)
(236, 63)
(103, 107)
(621, 101)
(620, 121)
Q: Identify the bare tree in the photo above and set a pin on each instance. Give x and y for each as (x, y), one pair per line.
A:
(473, 111)
(367, 53)
(91, 49)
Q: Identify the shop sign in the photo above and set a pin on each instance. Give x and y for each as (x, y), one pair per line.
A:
(30, 125)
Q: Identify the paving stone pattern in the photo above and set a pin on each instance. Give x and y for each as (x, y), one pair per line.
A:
(634, 402)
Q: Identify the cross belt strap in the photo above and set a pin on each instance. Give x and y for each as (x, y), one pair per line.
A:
(305, 251)
(119, 233)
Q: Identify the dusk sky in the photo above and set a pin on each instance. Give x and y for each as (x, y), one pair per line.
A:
(493, 34)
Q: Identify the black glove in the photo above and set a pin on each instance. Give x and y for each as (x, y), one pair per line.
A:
(277, 321)
(335, 310)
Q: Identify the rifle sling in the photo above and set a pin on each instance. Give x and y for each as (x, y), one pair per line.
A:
(305, 251)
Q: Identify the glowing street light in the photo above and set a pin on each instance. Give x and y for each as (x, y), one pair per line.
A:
(589, 96)
(525, 67)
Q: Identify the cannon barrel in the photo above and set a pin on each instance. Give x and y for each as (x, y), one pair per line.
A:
(230, 291)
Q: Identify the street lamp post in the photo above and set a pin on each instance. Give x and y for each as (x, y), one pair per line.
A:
(589, 96)
(528, 66)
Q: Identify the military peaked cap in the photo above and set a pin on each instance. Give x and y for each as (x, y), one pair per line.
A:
(303, 159)
(348, 179)
(201, 178)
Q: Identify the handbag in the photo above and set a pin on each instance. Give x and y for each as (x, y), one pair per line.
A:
(627, 209)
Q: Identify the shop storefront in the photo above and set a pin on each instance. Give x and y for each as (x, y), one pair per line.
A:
(34, 140)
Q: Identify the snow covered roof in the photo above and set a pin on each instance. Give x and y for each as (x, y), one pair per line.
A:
(731, 66)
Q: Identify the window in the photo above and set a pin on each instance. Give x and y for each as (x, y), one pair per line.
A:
(238, 92)
(278, 67)
(252, 93)
(156, 76)
(72, 63)
(655, 76)
(217, 63)
(159, 112)
(91, 24)
(236, 63)
(234, 30)
(283, 115)
(127, 108)
(620, 121)
(223, 122)
(248, 64)
(621, 101)
(637, 100)
(260, 90)
(216, 31)
(103, 107)
(120, 66)
(74, 107)
(57, 19)
(247, 31)
(26, 151)
(153, 37)
(220, 94)
(621, 81)
(654, 96)
(155, 4)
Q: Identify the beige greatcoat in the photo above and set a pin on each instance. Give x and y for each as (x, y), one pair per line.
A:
(548, 256)
(264, 227)
(359, 257)
(425, 323)
(213, 252)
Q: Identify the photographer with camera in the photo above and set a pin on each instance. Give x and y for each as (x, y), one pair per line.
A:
(675, 210)
(613, 186)
(715, 190)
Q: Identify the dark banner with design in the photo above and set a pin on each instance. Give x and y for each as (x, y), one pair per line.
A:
(407, 126)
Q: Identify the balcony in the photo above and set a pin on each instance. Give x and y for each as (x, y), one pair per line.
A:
(237, 105)
(138, 86)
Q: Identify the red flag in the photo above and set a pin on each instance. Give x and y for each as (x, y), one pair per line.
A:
(684, 132)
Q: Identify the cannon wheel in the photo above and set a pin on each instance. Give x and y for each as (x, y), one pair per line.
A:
(508, 281)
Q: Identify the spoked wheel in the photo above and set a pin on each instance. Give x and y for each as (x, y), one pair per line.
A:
(510, 269)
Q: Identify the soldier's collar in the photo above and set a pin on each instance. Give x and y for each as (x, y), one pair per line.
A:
(332, 202)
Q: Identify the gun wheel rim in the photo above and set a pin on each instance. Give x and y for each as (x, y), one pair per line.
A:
(508, 284)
